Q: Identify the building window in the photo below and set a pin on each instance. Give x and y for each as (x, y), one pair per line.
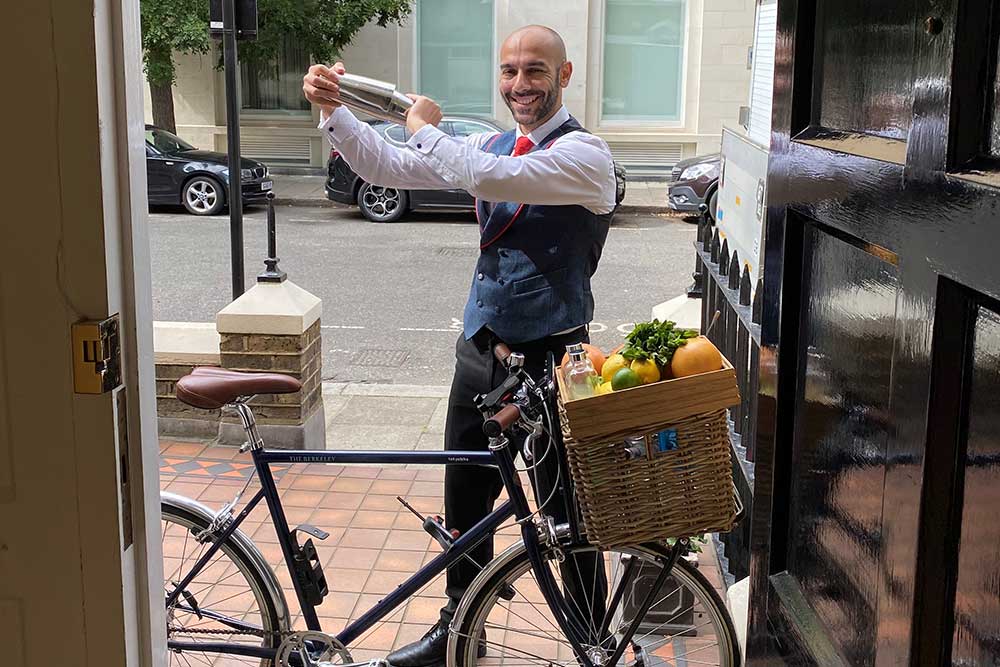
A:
(455, 54)
(643, 60)
(276, 86)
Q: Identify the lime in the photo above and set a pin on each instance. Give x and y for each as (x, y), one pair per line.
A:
(625, 378)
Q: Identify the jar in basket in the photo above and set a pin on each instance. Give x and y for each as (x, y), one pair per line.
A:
(581, 378)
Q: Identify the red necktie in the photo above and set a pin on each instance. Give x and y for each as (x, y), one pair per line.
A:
(522, 146)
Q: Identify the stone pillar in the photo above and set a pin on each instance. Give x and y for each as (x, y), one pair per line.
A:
(178, 348)
(275, 327)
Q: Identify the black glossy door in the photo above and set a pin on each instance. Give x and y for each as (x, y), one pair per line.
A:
(876, 536)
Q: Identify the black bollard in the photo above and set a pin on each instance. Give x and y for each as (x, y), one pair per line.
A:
(271, 273)
(694, 290)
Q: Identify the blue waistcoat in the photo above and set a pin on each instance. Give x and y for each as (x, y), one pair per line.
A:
(535, 263)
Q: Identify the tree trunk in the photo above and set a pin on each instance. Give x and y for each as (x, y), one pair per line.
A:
(162, 97)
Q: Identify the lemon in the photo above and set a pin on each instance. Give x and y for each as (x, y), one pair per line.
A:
(625, 378)
(646, 369)
(612, 365)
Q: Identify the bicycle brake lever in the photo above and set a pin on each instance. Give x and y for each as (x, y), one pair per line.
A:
(492, 399)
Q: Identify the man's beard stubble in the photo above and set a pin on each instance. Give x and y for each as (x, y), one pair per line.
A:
(547, 106)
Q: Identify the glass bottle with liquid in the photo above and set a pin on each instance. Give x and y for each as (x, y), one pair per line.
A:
(580, 376)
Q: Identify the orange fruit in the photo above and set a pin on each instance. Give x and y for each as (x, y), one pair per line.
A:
(595, 354)
(696, 356)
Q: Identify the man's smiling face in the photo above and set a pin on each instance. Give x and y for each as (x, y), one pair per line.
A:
(533, 72)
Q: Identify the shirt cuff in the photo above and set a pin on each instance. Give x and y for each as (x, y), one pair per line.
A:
(425, 139)
(339, 125)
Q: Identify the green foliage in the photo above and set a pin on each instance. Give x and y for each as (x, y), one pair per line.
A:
(171, 25)
(656, 340)
(324, 27)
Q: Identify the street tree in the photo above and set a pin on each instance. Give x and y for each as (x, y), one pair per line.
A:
(323, 27)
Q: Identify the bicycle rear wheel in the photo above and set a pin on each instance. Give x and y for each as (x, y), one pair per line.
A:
(226, 602)
(687, 624)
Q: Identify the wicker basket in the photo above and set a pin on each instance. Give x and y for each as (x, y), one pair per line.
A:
(681, 485)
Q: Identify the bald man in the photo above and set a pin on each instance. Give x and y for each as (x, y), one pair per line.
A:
(544, 193)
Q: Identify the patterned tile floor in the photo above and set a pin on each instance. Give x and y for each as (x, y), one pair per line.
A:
(374, 543)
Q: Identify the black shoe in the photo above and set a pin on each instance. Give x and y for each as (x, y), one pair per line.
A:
(429, 650)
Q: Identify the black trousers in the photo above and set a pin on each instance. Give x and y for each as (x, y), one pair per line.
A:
(471, 491)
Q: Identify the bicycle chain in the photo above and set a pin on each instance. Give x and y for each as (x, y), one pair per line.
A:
(227, 631)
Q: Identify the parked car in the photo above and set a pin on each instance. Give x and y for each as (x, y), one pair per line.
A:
(179, 173)
(381, 204)
(694, 182)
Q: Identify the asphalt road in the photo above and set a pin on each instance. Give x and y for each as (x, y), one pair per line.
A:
(393, 294)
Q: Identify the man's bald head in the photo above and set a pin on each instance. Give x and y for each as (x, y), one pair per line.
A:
(544, 36)
(533, 72)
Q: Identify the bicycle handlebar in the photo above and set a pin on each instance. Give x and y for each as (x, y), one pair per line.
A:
(501, 352)
(502, 420)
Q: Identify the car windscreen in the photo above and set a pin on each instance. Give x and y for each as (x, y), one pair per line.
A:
(165, 142)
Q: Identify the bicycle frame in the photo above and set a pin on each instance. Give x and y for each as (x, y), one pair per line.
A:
(499, 455)
(516, 506)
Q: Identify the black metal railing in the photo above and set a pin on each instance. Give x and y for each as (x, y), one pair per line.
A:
(724, 286)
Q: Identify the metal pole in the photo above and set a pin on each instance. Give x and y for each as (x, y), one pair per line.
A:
(235, 195)
(271, 274)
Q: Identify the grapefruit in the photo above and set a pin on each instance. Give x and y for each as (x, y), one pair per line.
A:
(595, 354)
(696, 356)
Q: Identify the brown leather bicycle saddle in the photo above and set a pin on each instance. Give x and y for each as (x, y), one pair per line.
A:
(210, 387)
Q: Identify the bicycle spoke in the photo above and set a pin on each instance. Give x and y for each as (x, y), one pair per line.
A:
(532, 624)
(624, 623)
(660, 642)
(507, 628)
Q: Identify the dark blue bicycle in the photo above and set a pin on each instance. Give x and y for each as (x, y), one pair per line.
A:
(530, 606)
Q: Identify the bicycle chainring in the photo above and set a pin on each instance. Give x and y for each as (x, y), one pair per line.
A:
(313, 649)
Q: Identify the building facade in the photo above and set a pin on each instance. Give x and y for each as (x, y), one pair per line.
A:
(657, 79)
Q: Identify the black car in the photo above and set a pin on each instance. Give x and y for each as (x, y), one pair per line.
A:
(179, 173)
(381, 204)
(695, 181)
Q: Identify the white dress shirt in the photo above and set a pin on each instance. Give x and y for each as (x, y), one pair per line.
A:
(576, 169)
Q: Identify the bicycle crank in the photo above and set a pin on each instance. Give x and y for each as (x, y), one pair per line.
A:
(312, 649)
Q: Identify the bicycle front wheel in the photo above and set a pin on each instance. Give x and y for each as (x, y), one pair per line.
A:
(504, 610)
(226, 603)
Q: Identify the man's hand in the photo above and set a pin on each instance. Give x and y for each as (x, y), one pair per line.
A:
(424, 111)
(320, 86)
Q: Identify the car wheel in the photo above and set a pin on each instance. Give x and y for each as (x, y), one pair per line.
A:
(713, 206)
(203, 196)
(381, 204)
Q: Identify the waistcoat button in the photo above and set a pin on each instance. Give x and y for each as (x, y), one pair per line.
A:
(479, 303)
(480, 276)
(499, 310)
(501, 281)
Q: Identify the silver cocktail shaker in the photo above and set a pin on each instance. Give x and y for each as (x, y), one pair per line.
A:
(373, 97)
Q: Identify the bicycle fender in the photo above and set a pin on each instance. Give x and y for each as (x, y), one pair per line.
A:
(244, 544)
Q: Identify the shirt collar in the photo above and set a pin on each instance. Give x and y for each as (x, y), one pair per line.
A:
(538, 134)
